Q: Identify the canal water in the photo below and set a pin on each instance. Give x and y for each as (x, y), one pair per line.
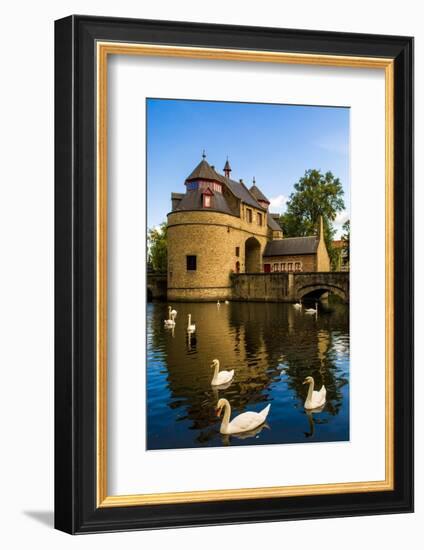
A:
(272, 347)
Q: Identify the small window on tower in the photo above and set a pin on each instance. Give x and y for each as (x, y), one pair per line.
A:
(249, 215)
(237, 251)
(259, 218)
(206, 201)
(191, 263)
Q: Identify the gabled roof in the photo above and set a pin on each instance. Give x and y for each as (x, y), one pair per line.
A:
(257, 193)
(292, 246)
(272, 222)
(242, 192)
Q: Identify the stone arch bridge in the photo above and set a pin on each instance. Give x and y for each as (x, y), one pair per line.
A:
(270, 287)
(289, 287)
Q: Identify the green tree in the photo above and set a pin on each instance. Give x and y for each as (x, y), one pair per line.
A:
(346, 238)
(315, 194)
(157, 247)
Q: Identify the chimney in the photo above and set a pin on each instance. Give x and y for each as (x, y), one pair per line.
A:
(321, 229)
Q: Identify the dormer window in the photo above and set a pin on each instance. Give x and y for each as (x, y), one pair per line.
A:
(207, 198)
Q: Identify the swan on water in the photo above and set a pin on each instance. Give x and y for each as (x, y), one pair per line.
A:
(312, 310)
(190, 327)
(222, 377)
(243, 422)
(218, 304)
(314, 399)
(227, 302)
(170, 323)
(172, 312)
(298, 305)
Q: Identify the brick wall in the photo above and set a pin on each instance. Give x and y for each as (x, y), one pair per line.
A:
(307, 261)
(212, 237)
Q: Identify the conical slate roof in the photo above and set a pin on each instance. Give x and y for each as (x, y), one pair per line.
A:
(203, 171)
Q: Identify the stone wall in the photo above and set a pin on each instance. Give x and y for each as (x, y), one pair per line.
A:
(156, 286)
(213, 238)
(323, 259)
(263, 287)
(288, 287)
(308, 261)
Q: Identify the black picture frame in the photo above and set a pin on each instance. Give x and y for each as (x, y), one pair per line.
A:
(76, 510)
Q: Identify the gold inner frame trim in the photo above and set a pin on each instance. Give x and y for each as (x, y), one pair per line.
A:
(104, 49)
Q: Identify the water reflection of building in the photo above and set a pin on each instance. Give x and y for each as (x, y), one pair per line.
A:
(258, 341)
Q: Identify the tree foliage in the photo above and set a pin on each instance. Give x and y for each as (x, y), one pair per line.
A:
(157, 247)
(315, 194)
(346, 238)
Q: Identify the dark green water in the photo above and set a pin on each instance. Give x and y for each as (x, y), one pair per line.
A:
(271, 347)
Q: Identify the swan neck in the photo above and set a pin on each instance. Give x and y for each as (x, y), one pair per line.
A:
(226, 419)
(215, 372)
(310, 390)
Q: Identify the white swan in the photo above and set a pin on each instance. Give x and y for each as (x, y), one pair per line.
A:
(172, 312)
(227, 302)
(222, 377)
(218, 304)
(243, 422)
(190, 327)
(311, 310)
(314, 399)
(170, 323)
(298, 305)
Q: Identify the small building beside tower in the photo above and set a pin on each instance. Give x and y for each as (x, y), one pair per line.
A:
(219, 227)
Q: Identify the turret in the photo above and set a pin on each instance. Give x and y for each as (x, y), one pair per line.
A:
(259, 196)
(227, 169)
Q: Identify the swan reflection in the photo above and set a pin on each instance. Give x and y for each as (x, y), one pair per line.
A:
(310, 414)
(226, 439)
(271, 347)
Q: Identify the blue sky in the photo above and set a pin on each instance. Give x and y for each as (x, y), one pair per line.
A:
(273, 143)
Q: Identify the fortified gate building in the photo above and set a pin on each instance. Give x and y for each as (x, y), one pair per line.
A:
(219, 227)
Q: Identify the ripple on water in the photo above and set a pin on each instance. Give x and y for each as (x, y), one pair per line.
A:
(271, 347)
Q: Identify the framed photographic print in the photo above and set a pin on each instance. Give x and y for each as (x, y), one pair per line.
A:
(233, 272)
